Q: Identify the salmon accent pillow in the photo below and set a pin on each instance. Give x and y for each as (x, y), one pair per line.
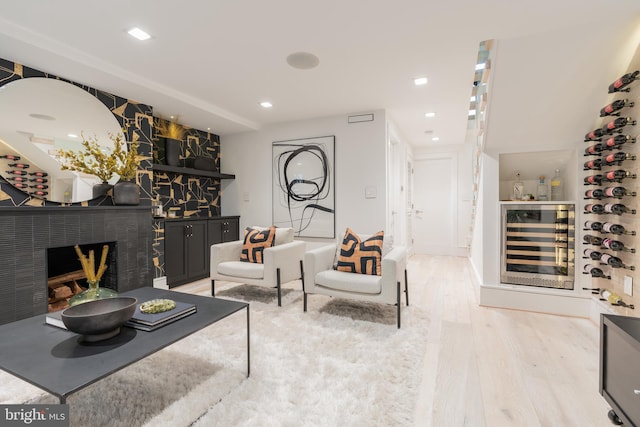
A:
(357, 256)
(255, 242)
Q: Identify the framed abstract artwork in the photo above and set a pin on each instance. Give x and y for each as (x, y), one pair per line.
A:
(303, 186)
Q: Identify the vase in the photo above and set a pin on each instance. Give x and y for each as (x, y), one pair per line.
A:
(92, 293)
(172, 151)
(126, 193)
(100, 190)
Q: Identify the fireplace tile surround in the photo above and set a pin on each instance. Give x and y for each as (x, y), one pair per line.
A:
(26, 233)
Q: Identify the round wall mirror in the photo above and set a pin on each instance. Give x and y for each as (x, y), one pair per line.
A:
(41, 116)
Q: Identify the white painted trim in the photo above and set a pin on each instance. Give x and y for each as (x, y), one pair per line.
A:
(541, 300)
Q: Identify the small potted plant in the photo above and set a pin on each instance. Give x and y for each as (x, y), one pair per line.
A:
(173, 134)
(126, 191)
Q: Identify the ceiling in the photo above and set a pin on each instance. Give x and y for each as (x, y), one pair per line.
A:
(211, 62)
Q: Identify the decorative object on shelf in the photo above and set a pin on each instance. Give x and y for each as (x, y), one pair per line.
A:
(201, 163)
(101, 319)
(173, 133)
(557, 191)
(94, 291)
(517, 192)
(157, 306)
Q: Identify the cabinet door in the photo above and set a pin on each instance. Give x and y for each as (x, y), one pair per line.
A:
(215, 231)
(197, 250)
(231, 230)
(175, 252)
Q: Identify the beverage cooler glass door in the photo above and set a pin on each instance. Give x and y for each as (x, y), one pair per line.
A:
(538, 242)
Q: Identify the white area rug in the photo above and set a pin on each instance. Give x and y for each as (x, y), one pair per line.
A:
(326, 367)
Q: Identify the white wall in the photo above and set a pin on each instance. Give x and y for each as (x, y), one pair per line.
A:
(360, 162)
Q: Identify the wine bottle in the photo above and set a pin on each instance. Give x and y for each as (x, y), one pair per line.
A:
(18, 165)
(593, 150)
(614, 298)
(617, 209)
(17, 172)
(609, 227)
(615, 262)
(611, 109)
(618, 140)
(617, 124)
(20, 185)
(594, 255)
(594, 208)
(39, 186)
(39, 193)
(594, 271)
(618, 192)
(594, 135)
(10, 157)
(618, 175)
(593, 179)
(616, 245)
(41, 174)
(593, 164)
(592, 240)
(594, 194)
(41, 180)
(620, 85)
(17, 179)
(618, 157)
(593, 225)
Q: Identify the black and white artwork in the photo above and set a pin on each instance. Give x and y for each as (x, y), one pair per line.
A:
(303, 186)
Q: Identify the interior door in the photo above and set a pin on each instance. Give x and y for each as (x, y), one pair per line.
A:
(434, 195)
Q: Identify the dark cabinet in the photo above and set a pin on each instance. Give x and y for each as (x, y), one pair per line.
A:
(223, 230)
(186, 251)
(619, 367)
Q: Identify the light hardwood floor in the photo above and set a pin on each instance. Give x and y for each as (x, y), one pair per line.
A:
(495, 367)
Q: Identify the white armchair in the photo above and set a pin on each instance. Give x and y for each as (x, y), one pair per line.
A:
(282, 263)
(321, 278)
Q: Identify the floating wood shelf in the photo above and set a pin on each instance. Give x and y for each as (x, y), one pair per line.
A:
(191, 171)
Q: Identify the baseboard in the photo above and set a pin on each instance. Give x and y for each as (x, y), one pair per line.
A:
(160, 282)
(550, 301)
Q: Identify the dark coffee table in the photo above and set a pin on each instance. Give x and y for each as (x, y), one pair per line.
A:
(55, 360)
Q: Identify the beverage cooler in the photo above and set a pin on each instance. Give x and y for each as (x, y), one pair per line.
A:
(538, 241)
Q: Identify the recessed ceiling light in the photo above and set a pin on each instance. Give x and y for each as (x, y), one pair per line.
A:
(480, 66)
(266, 104)
(435, 138)
(420, 81)
(430, 114)
(72, 135)
(139, 34)
(303, 60)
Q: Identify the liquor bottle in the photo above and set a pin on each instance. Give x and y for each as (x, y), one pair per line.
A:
(594, 194)
(592, 164)
(39, 186)
(618, 140)
(620, 84)
(619, 175)
(18, 165)
(593, 150)
(610, 110)
(557, 189)
(593, 225)
(17, 172)
(592, 179)
(594, 135)
(616, 245)
(614, 298)
(592, 240)
(17, 179)
(594, 208)
(41, 180)
(594, 271)
(41, 174)
(517, 191)
(594, 255)
(617, 124)
(10, 157)
(615, 262)
(609, 227)
(618, 157)
(617, 209)
(542, 189)
(618, 192)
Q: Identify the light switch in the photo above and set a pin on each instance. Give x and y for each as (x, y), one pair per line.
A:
(246, 196)
(628, 285)
(370, 192)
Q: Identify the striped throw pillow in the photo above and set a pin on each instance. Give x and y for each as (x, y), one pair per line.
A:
(255, 242)
(357, 256)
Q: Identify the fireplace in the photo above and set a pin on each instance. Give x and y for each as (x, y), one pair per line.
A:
(28, 233)
(66, 278)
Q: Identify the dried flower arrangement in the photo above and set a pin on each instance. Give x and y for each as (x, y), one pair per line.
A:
(94, 161)
(88, 263)
(170, 128)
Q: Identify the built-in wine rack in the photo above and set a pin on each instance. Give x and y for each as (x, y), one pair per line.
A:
(610, 208)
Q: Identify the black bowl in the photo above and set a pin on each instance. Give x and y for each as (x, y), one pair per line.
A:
(100, 319)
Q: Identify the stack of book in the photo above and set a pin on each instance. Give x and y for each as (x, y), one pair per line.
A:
(153, 321)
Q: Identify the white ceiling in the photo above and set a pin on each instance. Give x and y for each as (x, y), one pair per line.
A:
(212, 61)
